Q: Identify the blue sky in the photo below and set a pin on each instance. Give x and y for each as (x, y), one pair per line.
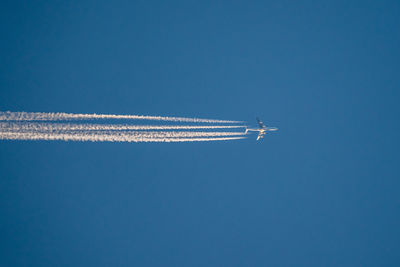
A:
(323, 191)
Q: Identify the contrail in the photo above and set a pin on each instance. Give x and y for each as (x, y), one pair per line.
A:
(145, 134)
(29, 126)
(103, 138)
(149, 134)
(41, 116)
(20, 125)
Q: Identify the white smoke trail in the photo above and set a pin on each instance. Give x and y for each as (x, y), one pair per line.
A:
(41, 116)
(117, 127)
(149, 134)
(25, 126)
(145, 134)
(103, 138)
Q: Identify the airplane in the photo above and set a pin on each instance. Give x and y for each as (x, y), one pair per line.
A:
(263, 129)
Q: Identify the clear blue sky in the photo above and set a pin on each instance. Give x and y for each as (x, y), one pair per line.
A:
(323, 191)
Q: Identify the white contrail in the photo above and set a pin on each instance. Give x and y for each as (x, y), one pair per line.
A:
(145, 134)
(149, 134)
(28, 126)
(41, 116)
(23, 127)
(20, 125)
(103, 138)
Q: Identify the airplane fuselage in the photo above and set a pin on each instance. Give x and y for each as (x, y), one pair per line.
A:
(262, 130)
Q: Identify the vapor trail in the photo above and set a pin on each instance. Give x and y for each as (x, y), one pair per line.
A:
(41, 116)
(145, 134)
(117, 127)
(149, 134)
(103, 138)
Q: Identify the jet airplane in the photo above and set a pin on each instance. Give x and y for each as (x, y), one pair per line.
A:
(262, 130)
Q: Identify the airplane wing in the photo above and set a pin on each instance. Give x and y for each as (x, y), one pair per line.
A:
(260, 123)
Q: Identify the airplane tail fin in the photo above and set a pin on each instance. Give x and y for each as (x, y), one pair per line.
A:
(246, 130)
